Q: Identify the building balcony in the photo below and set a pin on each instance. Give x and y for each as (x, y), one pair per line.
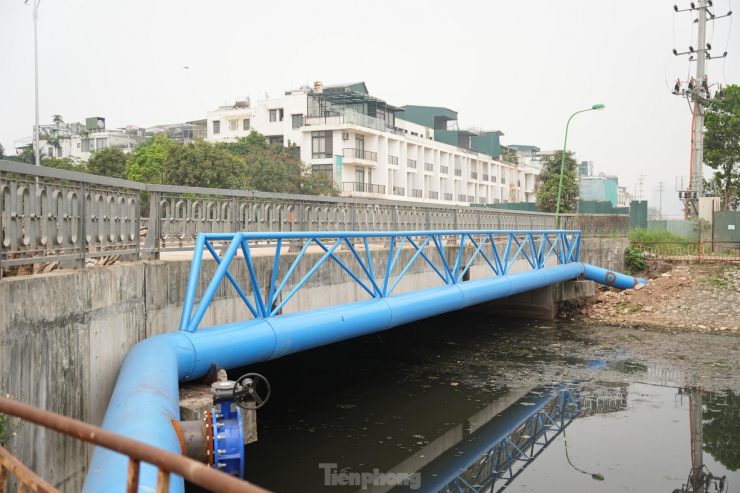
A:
(393, 160)
(417, 193)
(411, 163)
(481, 200)
(356, 186)
(461, 198)
(360, 156)
(444, 170)
(485, 177)
(428, 167)
(401, 192)
(354, 118)
(474, 175)
(458, 172)
(471, 199)
(448, 196)
(433, 195)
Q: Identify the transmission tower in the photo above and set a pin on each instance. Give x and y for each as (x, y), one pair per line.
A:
(698, 91)
(640, 187)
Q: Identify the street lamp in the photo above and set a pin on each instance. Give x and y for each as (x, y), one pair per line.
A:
(597, 107)
(36, 73)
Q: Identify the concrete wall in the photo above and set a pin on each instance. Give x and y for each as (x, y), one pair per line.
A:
(63, 335)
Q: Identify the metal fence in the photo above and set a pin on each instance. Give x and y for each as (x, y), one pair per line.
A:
(55, 215)
(691, 251)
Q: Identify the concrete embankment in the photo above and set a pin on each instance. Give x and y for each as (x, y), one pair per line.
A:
(63, 335)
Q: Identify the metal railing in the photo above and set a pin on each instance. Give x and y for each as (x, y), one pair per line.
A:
(393, 160)
(690, 251)
(485, 177)
(428, 166)
(461, 197)
(138, 452)
(416, 193)
(357, 186)
(411, 163)
(351, 152)
(474, 175)
(458, 172)
(399, 191)
(444, 170)
(471, 198)
(433, 195)
(42, 221)
(499, 249)
(493, 179)
(481, 200)
(503, 181)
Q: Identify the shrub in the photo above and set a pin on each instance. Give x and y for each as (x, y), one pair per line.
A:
(635, 259)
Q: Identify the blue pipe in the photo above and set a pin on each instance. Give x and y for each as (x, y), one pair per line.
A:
(145, 399)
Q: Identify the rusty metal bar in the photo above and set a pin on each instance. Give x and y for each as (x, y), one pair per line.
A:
(163, 482)
(191, 470)
(26, 477)
(132, 485)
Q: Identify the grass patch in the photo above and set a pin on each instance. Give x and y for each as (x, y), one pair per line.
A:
(652, 235)
(634, 309)
(622, 305)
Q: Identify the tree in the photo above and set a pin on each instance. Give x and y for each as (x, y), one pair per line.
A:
(654, 214)
(148, 163)
(722, 144)
(110, 161)
(276, 168)
(57, 119)
(721, 430)
(549, 181)
(2, 152)
(66, 163)
(203, 164)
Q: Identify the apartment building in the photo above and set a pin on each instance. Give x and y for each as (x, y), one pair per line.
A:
(372, 149)
(81, 140)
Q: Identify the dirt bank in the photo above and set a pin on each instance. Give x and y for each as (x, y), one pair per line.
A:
(703, 298)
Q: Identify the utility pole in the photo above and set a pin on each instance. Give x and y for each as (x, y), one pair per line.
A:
(698, 92)
(661, 189)
(36, 65)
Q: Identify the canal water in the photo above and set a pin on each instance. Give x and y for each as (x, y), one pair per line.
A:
(454, 400)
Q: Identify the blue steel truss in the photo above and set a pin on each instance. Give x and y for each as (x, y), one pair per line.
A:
(525, 444)
(499, 249)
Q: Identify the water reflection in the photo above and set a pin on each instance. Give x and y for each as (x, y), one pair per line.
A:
(496, 446)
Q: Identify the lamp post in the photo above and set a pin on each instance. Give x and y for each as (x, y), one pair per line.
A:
(597, 107)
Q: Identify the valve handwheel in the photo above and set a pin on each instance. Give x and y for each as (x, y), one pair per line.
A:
(246, 387)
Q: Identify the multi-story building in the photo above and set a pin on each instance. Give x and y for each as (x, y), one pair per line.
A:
(81, 140)
(623, 197)
(373, 149)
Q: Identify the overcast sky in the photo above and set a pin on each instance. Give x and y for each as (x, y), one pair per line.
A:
(519, 66)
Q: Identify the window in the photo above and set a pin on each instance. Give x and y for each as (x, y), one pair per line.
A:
(322, 145)
(275, 140)
(360, 146)
(101, 144)
(281, 113)
(246, 124)
(59, 152)
(273, 115)
(51, 151)
(233, 125)
(187, 134)
(88, 145)
(216, 127)
(327, 169)
(297, 121)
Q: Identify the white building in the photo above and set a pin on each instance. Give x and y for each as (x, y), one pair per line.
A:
(623, 197)
(372, 149)
(80, 141)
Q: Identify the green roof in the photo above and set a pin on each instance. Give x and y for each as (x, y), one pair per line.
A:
(524, 148)
(424, 115)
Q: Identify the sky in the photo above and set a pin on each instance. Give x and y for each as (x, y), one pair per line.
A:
(522, 67)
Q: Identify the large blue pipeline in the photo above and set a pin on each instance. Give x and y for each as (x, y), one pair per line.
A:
(145, 400)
